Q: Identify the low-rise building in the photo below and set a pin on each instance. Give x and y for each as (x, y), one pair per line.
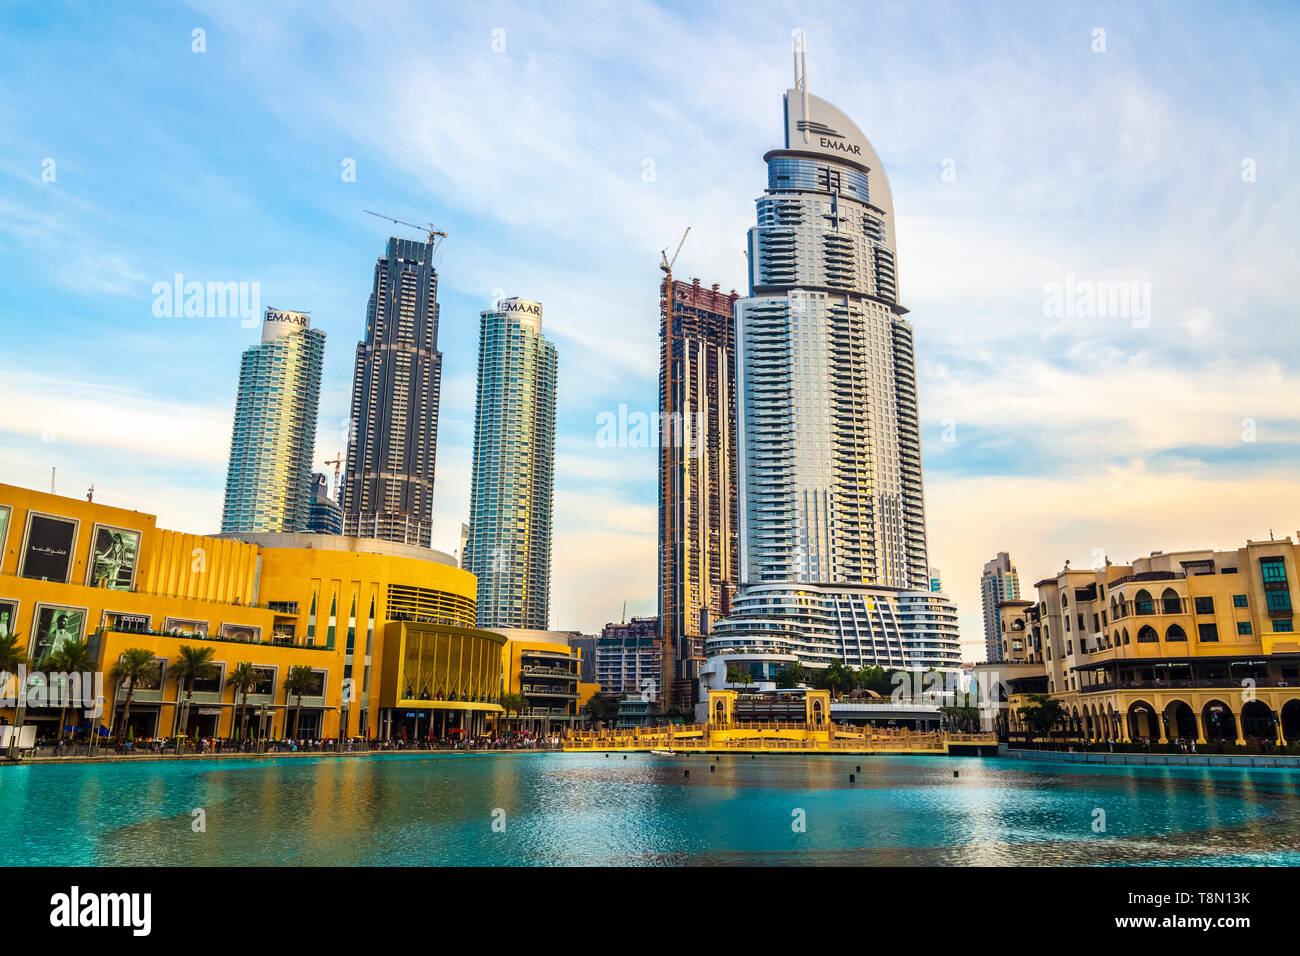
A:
(1189, 645)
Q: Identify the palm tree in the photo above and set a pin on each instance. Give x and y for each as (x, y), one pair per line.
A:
(242, 679)
(69, 659)
(744, 678)
(299, 680)
(136, 666)
(837, 677)
(193, 663)
(12, 657)
(1042, 714)
(514, 703)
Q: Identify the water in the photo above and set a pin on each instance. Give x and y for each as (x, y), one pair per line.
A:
(573, 809)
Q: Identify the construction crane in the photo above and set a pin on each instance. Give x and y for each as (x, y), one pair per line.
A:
(435, 235)
(668, 599)
(337, 462)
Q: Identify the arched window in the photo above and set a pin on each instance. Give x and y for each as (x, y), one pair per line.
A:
(1065, 600)
(1170, 602)
(1175, 633)
(1148, 635)
(1142, 603)
(1126, 635)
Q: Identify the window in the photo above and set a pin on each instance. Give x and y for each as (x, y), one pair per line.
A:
(1279, 601)
(1170, 602)
(1148, 635)
(1143, 604)
(1283, 626)
(1205, 605)
(1243, 627)
(1209, 632)
(1272, 569)
(1239, 600)
(1175, 633)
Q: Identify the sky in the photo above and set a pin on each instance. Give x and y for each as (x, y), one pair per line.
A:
(1037, 154)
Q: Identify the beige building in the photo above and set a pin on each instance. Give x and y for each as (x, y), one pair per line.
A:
(1190, 645)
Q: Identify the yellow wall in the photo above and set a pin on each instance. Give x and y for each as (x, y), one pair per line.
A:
(224, 582)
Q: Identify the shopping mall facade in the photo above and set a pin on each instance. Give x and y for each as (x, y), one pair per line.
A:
(386, 629)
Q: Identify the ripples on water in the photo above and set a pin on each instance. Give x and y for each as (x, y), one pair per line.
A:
(569, 809)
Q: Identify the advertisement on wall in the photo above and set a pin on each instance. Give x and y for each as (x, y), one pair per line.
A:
(56, 627)
(8, 618)
(113, 556)
(47, 547)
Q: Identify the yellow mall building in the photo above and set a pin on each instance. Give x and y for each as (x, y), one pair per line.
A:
(386, 629)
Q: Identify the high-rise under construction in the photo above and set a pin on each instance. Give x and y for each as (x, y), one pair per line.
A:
(698, 541)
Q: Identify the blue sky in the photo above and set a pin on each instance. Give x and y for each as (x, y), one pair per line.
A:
(1167, 160)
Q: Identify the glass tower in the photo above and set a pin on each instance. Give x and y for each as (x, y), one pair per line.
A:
(393, 439)
(833, 558)
(268, 481)
(509, 543)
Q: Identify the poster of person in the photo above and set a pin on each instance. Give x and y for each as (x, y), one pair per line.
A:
(8, 617)
(56, 627)
(113, 555)
(47, 547)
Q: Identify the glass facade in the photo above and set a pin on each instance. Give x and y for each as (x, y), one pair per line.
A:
(833, 557)
(269, 477)
(509, 544)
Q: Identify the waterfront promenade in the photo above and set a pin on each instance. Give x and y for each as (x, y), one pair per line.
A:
(791, 738)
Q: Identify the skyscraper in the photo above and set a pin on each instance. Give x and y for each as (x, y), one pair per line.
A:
(393, 439)
(324, 516)
(268, 480)
(998, 583)
(833, 560)
(697, 481)
(509, 543)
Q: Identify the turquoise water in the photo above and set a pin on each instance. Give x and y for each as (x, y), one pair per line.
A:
(572, 809)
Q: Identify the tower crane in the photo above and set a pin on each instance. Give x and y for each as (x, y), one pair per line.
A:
(435, 235)
(336, 461)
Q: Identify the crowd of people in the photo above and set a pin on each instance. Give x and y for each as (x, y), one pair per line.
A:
(158, 746)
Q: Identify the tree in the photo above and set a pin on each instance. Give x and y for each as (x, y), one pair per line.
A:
(599, 707)
(1041, 715)
(12, 657)
(514, 704)
(136, 666)
(300, 679)
(961, 717)
(243, 678)
(837, 677)
(69, 659)
(193, 663)
(791, 676)
(744, 678)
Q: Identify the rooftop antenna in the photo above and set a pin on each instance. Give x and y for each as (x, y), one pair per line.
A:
(435, 235)
(801, 75)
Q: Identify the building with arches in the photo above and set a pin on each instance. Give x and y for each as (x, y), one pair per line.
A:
(1191, 646)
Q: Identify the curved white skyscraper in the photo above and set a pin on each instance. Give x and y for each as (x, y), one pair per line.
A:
(833, 559)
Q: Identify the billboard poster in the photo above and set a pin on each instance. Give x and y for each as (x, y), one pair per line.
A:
(113, 556)
(8, 618)
(56, 627)
(178, 627)
(47, 547)
(241, 632)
